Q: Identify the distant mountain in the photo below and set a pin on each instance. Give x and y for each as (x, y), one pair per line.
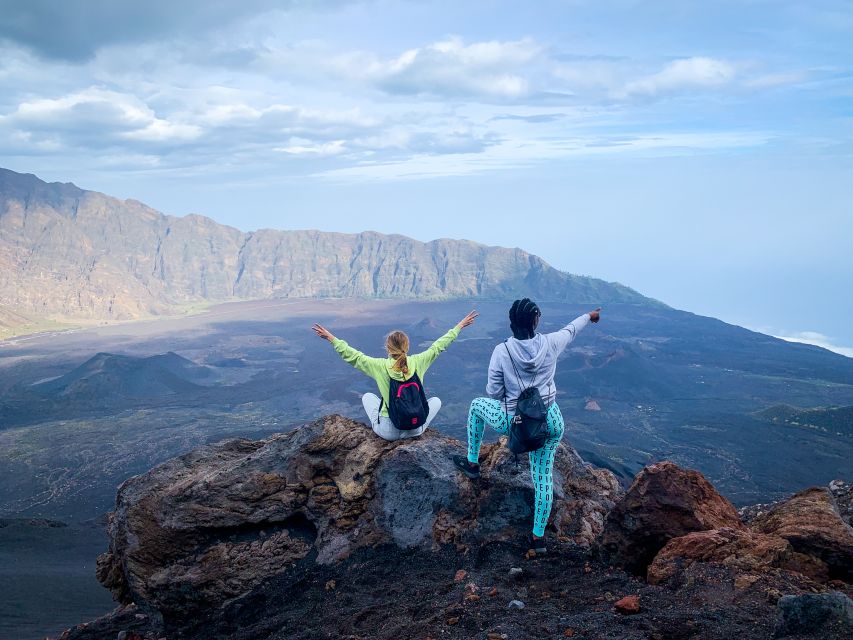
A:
(111, 376)
(71, 254)
(108, 383)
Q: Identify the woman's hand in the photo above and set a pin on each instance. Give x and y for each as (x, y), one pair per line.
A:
(323, 332)
(467, 320)
(595, 316)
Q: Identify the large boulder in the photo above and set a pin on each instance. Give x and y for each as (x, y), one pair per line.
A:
(811, 522)
(737, 549)
(664, 502)
(211, 525)
(815, 615)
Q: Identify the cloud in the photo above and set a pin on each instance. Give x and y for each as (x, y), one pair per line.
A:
(511, 152)
(95, 118)
(76, 30)
(200, 132)
(609, 79)
(538, 118)
(679, 75)
(449, 68)
(245, 93)
(816, 339)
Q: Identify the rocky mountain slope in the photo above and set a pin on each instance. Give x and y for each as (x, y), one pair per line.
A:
(328, 531)
(67, 253)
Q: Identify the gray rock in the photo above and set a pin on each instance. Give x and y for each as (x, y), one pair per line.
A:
(515, 572)
(828, 615)
(516, 604)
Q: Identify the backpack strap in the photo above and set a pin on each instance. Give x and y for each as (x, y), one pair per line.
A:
(517, 377)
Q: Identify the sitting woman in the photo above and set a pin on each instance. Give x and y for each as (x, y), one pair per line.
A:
(409, 413)
(526, 360)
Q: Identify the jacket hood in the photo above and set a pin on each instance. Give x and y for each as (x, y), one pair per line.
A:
(528, 355)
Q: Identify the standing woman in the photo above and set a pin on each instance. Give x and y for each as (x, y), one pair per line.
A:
(527, 359)
(399, 370)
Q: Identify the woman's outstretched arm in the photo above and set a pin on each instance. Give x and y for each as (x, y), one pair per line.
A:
(351, 355)
(426, 358)
(564, 337)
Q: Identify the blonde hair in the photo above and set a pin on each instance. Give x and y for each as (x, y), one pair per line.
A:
(397, 344)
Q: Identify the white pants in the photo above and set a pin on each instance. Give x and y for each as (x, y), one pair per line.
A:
(382, 425)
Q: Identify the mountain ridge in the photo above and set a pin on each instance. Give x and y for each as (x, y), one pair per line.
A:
(71, 254)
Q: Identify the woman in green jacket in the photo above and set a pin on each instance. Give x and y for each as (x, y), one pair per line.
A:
(400, 366)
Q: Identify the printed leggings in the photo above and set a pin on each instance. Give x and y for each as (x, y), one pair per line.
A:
(490, 411)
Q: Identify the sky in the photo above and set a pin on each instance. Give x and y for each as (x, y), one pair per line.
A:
(699, 152)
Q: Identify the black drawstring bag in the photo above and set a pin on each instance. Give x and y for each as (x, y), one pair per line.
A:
(528, 429)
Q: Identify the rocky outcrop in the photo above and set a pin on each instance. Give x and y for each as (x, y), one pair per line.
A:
(68, 253)
(664, 502)
(672, 518)
(735, 548)
(209, 526)
(811, 522)
(250, 539)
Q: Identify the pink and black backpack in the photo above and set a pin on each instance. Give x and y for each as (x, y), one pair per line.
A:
(407, 404)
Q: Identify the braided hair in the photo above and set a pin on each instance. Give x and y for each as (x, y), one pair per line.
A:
(523, 318)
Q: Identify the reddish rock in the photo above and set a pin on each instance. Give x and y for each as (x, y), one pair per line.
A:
(810, 566)
(811, 522)
(628, 605)
(460, 575)
(592, 405)
(735, 548)
(664, 502)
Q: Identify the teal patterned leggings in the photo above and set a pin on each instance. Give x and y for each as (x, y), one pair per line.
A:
(489, 411)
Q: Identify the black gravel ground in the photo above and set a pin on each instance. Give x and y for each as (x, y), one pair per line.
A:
(389, 594)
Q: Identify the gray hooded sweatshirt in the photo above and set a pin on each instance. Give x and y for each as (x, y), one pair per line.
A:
(536, 361)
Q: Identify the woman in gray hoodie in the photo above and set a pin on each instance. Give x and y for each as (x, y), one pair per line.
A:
(527, 359)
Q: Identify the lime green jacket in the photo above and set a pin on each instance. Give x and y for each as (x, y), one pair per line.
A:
(380, 369)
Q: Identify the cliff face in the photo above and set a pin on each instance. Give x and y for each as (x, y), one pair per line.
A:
(67, 253)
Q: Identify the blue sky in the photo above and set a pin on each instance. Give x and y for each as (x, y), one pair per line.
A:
(699, 152)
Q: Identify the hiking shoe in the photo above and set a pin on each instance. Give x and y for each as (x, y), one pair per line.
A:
(537, 544)
(470, 470)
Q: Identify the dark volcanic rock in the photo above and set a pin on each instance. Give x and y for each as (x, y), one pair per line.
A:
(811, 522)
(825, 615)
(126, 622)
(207, 527)
(664, 502)
(329, 532)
